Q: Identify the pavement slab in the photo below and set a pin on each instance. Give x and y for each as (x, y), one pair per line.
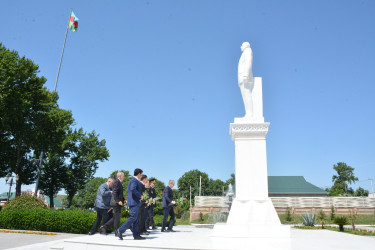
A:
(190, 237)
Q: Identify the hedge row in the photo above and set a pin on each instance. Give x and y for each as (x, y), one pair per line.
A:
(65, 221)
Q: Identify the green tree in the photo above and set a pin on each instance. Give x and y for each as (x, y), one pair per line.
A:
(86, 150)
(191, 178)
(53, 176)
(215, 187)
(345, 176)
(361, 192)
(29, 117)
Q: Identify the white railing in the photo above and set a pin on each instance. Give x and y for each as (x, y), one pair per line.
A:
(296, 202)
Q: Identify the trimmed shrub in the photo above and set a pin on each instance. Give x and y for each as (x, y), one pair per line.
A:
(158, 209)
(25, 202)
(66, 221)
(158, 219)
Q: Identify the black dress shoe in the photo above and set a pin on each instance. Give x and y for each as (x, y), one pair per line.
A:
(164, 231)
(139, 238)
(102, 230)
(171, 230)
(91, 233)
(118, 234)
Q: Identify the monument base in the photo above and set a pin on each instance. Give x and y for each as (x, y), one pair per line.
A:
(252, 219)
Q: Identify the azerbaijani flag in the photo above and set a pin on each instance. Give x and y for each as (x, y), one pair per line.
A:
(73, 22)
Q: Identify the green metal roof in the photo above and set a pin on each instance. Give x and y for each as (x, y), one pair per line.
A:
(55, 202)
(5, 195)
(292, 185)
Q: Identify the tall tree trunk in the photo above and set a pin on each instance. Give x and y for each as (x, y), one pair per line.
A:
(18, 188)
(51, 203)
(70, 201)
(18, 163)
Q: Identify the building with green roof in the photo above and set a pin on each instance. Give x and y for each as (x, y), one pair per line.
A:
(293, 186)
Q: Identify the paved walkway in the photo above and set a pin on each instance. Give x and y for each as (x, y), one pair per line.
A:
(189, 237)
(11, 240)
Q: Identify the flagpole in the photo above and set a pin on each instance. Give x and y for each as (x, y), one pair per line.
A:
(62, 53)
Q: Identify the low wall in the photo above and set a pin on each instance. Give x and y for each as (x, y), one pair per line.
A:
(297, 205)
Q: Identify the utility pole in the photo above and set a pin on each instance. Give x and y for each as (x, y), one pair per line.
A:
(372, 187)
(191, 209)
(200, 185)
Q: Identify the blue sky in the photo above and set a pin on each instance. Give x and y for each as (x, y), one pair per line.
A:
(158, 80)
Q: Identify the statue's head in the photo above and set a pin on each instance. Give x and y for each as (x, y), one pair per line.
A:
(245, 45)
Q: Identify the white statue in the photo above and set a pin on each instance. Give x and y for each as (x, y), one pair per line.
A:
(245, 78)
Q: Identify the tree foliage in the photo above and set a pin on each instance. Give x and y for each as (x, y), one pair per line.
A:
(30, 119)
(86, 150)
(53, 176)
(345, 175)
(192, 179)
(216, 187)
(361, 192)
(31, 122)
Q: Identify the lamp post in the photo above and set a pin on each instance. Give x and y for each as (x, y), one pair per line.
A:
(10, 183)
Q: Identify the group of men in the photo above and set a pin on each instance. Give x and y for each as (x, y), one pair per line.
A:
(110, 199)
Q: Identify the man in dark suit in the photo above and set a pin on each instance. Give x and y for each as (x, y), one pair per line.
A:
(142, 209)
(150, 209)
(117, 201)
(134, 202)
(103, 198)
(168, 205)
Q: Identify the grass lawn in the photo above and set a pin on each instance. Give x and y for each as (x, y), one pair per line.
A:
(363, 219)
(296, 219)
(363, 232)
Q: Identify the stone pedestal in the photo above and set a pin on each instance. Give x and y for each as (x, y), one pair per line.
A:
(252, 214)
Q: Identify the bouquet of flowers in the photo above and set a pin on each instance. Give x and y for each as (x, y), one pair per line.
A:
(179, 202)
(145, 196)
(152, 201)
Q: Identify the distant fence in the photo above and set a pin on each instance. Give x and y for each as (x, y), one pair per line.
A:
(297, 205)
(324, 202)
(297, 202)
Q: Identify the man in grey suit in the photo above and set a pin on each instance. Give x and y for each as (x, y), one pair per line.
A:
(168, 206)
(117, 201)
(103, 198)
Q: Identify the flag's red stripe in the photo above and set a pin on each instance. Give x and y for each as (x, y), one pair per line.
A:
(71, 19)
(75, 24)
